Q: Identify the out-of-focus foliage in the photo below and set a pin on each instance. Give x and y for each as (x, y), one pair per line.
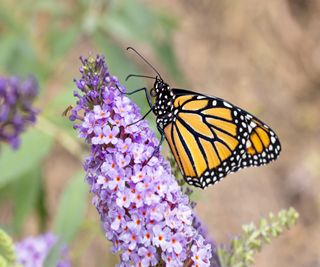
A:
(7, 251)
(68, 220)
(37, 35)
(242, 248)
(10, 170)
(45, 38)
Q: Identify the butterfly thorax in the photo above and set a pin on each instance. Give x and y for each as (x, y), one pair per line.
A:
(163, 107)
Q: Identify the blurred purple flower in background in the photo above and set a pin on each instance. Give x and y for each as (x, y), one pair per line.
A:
(16, 111)
(32, 251)
(142, 208)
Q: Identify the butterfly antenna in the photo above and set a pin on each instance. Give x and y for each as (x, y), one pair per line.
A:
(138, 75)
(146, 61)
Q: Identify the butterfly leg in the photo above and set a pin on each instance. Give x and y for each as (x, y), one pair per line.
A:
(158, 146)
(144, 116)
(161, 140)
(136, 91)
(147, 96)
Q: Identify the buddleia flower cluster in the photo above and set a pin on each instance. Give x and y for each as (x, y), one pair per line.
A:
(16, 110)
(142, 208)
(32, 251)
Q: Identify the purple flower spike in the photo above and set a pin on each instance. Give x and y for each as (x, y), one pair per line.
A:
(32, 251)
(142, 208)
(16, 111)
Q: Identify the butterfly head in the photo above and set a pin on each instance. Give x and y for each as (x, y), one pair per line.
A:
(159, 88)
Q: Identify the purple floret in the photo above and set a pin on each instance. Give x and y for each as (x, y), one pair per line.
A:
(32, 251)
(16, 110)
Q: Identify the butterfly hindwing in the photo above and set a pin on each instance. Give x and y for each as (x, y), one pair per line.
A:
(263, 145)
(209, 138)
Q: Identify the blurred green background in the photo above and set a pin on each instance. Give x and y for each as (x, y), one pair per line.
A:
(263, 56)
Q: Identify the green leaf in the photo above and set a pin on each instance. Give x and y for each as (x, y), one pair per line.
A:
(13, 164)
(7, 46)
(41, 207)
(21, 48)
(72, 208)
(71, 212)
(130, 19)
(60, 40)
(25, 192)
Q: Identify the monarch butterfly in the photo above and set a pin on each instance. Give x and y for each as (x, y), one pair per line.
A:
(208, 136)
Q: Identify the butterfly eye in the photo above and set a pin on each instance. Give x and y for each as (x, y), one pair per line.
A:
(153, 92)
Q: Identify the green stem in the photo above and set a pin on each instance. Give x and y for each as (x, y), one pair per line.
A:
(65, 140)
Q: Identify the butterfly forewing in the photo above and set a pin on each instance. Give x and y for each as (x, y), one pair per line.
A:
(210, 138)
